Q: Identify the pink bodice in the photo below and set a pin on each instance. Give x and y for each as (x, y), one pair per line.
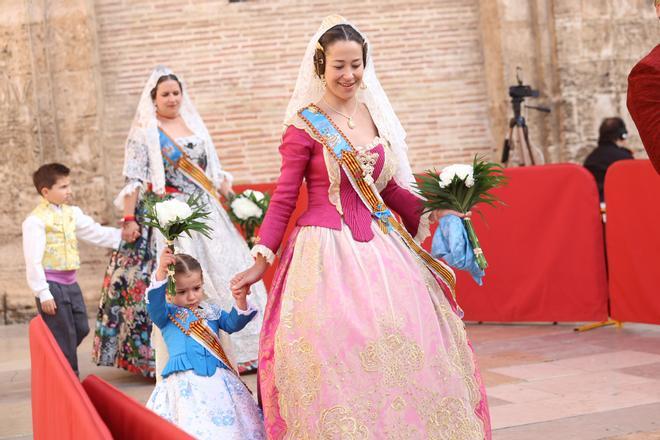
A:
(302, 157)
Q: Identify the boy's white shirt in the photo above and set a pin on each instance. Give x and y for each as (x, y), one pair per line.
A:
(34, 245)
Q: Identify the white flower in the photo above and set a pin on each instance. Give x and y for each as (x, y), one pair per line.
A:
(244, 208)
(258, 195)
(463, 172)
(171, 211)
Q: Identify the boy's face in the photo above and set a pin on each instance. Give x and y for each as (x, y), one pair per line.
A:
(60, 193)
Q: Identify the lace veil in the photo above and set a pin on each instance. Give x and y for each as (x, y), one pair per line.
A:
(309, 88)
(143, 139)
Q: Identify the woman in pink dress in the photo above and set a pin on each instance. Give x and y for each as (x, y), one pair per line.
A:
(361, 335)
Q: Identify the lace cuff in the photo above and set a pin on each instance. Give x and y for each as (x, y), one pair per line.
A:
(264, 251)
(424, 228)
(130, 188)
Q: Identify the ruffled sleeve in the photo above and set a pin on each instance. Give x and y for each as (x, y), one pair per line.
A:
(136, 168)
(136, 160)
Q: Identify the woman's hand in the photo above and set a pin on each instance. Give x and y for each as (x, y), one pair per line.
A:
(439, 213)
(130, 231)
(248, 277)
(166, 258)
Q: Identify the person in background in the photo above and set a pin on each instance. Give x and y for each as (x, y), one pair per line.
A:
(612, 147)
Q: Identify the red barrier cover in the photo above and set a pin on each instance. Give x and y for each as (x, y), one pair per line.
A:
(60, 407)
(632, 193)
(125, 417)
(545, 250)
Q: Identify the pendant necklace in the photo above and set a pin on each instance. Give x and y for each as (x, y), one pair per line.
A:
(349, 119)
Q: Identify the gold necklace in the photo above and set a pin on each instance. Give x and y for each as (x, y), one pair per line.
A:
(349, 119)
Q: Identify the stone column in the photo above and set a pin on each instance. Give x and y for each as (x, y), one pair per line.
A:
(50, 110)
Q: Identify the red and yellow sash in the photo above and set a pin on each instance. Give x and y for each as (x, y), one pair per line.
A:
(175, 156)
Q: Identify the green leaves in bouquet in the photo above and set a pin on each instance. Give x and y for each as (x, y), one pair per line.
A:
(457, 196)
(194, 222)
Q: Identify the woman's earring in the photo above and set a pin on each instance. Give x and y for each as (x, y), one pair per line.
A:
(325, 84)
(363, 86)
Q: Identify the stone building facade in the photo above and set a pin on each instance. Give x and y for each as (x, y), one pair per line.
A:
(71, 72)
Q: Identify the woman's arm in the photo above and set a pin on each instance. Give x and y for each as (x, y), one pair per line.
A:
(296, 150)
(407, 205)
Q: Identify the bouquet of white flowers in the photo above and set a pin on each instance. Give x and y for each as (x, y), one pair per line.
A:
(247, 210)
(172, 218)
(459, 187)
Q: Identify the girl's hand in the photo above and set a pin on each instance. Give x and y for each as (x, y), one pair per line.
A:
(240, 296)
(130, 231)
(248, 277)
(166, 258)
(439, 213)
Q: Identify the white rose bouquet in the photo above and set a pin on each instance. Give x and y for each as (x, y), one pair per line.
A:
(247, 210)
(172, 218)
(459, 187)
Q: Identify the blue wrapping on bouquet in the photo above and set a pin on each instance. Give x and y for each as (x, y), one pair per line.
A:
(451, 243)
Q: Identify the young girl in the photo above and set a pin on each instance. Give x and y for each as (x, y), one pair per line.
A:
(200, 391)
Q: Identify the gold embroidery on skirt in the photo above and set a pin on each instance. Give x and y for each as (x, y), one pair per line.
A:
(461, 358)
(447, 418)
(297, 377)
(337, 423)
(394, 356)
(305, 268)
(398, 428)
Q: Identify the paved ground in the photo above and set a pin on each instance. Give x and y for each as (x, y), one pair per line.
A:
(544, 382)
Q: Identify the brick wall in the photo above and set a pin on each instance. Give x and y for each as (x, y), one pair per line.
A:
(240, 61)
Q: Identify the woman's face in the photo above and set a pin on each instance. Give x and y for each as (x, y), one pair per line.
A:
(189, 289)
(168, 98)
(343, 68)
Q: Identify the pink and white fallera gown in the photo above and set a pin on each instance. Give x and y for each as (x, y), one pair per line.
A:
(359, 340)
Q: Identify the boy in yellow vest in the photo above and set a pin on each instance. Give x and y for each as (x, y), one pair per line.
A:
(50, 247)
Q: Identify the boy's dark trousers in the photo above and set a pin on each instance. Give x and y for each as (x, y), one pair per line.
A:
(69, 324)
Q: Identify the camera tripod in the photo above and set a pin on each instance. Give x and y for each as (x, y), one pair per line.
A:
(517, 149)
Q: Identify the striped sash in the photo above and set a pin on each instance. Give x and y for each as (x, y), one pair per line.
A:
(345, 154)
(204, 335)
(175, 156)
